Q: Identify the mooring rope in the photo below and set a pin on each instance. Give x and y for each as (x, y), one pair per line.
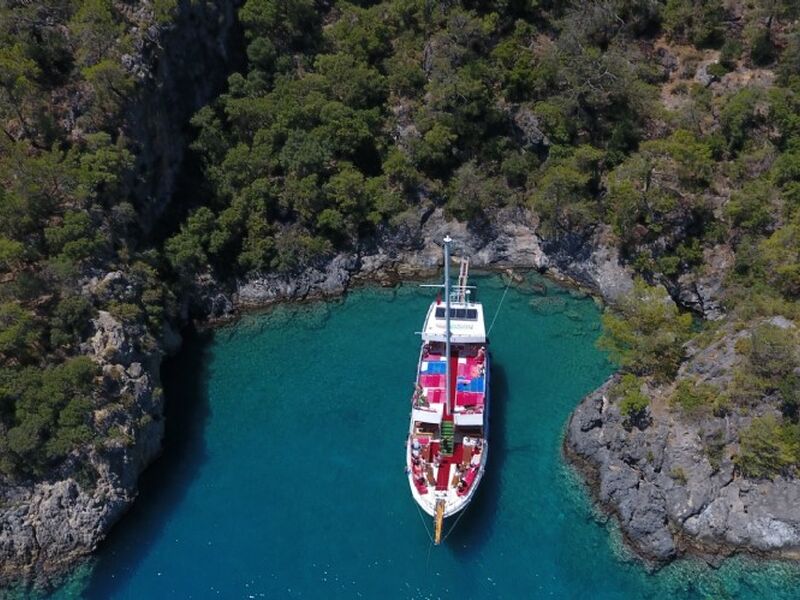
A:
(430, 537)
(497, 312)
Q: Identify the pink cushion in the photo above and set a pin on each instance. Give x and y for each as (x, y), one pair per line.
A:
(469, 399)
(433, 381)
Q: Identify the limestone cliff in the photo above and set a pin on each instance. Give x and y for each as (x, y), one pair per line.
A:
(48, 524)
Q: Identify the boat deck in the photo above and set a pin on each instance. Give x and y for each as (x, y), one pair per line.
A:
(470, 381)
(451, 477)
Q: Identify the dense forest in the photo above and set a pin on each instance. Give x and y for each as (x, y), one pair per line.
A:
(351, 118)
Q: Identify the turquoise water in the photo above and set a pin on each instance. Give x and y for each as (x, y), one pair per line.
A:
(283, 473)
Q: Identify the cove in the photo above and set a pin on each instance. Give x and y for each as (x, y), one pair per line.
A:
(282, 474)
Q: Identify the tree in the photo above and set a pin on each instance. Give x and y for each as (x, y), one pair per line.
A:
(70, 321)
(767, 448)
(19, 332)
(11, 253)
(472, 193)
(697, 21)
(186, 250)
(645, 332)
(565, 192)
(633, 404)
(753, 207)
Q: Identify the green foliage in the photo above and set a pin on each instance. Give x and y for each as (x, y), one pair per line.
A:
(75, 238)
(70, 321)
(693, 397)
(633, 403)
(11, 253)
(696, 21)
(762, 48)
(730, 53)
(473, 194)
(773, 352)
(768, 447)
(739, 115)
(780, 259)
(49, 414)
(19, 332)
(564, 195)
(752, 207)
(645, 332)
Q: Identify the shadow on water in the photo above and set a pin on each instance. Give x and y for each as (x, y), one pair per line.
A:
(475, 527)
(164, 484)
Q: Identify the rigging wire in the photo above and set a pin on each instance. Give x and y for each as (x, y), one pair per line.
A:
(424, 524)
(497, 312)
(453, 526)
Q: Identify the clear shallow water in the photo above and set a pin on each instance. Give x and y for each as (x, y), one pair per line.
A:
(283, 471)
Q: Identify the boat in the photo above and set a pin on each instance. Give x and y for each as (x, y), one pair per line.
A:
(447, 444)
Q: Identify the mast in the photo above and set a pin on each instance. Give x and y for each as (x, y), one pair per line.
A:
(447, 241)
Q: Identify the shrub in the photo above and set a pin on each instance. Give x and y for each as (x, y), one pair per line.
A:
(762, 50)
(772, 351)
(70, 320)
(729, 53)
(693, 397)
(633, 403)
(768, 447)
(645, 333)
(678, 474)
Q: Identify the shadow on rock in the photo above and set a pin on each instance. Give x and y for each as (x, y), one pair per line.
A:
(164, 484)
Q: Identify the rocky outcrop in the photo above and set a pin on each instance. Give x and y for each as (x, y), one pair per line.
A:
(510, 240)
(701, 291)
(672, 484)
(592, 260)
(46, 527)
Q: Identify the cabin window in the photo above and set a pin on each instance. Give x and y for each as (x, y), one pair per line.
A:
(461, 314)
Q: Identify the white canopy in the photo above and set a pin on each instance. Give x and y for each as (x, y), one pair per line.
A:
(468, 418)
(433, 414)
(462, 330)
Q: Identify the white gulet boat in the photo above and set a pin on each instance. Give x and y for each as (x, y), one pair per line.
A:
(448, 434)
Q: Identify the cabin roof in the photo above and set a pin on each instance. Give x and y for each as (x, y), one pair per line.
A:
(466, 323)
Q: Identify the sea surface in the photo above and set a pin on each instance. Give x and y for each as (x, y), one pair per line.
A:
(282, 475)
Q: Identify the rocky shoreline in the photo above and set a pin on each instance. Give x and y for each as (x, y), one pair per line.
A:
(670, 495)
(52, 525)
(672, 483)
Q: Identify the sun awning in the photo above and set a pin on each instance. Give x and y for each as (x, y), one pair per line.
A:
(428, 415)
(468, 418)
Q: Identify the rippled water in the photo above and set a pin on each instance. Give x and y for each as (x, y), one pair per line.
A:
(283, 471)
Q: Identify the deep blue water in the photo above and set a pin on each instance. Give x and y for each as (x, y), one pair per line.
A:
(283, 470)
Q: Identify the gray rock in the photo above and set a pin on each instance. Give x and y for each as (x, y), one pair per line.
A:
(593, 261)
(110, 342)
(527, 128)
(702, 75)
(660, 483)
